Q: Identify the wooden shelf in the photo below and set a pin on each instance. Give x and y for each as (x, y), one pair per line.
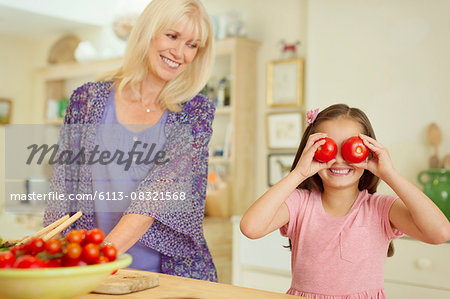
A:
(223, 111)
(219, 160)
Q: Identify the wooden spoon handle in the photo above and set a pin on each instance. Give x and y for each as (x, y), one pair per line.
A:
(45, 229)
(62, 226)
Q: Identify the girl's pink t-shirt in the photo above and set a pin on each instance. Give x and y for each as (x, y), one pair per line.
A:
(338, 257)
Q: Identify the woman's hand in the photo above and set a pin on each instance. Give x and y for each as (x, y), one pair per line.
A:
(380, 164)
(306, 165)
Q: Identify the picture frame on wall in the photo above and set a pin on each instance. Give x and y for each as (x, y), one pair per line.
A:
(278, 166)
(284, 130)
(285, 83)
(5, 111)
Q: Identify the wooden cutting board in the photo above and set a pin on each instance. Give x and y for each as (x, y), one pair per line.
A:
(128, 281)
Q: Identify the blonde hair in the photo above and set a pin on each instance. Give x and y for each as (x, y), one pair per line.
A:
(156, 18)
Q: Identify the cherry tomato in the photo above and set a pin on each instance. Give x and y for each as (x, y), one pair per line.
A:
(326, 152)
(74, 236)
(17, 250)
(54, 263)
(110, 252)
(102, 260)
(53, 246)
(68, 262)
(7, 259)
(90, 253)
(83, 233)
(354, 150)
(73, 251)
(95, 236)
(29, 261)
(36, 245)
(26, 248)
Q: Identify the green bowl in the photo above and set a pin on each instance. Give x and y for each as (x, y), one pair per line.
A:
(53, 283)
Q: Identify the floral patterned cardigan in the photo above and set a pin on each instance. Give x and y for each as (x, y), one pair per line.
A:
(177, 231)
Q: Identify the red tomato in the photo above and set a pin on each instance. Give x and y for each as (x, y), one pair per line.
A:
(36, 245)
(53, 246)
(353, 150)
(54, 263)
(110, 252)
(95, 236)
(68, 262)
(102, 260)
(327, 151)
(73, 251)
(29, 261)
(74, 236)
(7, 259)
(17, 250)
(83, 233)
(90, 253)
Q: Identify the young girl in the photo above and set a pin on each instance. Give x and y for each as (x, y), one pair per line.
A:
(339, 228)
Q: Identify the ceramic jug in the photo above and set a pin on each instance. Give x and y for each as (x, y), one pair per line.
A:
(436, 185)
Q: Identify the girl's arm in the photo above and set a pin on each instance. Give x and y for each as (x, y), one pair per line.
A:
(415, 214)
(269, 212)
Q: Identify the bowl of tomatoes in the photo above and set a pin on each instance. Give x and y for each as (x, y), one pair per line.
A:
(58, 268)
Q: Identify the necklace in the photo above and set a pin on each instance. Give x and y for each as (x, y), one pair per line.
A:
(148, 108)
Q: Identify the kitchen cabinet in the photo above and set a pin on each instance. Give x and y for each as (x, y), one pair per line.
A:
(261, 264)
(217, 233)
(418, 270)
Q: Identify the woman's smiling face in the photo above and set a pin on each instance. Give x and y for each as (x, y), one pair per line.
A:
(341, 174)
(171, 51)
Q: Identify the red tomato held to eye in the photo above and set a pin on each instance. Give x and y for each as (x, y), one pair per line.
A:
(326, 152)
(95, 236)
(354, 150)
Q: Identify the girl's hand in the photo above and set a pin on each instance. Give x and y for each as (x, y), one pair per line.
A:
(380, 164)
(306, 165)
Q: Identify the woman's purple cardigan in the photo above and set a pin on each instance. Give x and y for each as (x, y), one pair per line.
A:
(177, 232)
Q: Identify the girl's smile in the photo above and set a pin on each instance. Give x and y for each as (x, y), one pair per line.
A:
(339, 171)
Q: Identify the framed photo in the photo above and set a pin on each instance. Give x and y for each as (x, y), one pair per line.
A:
(285, 83)
(5, 111)
(284, 130)
(278, 166)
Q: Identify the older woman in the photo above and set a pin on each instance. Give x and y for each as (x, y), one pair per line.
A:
(150, 102)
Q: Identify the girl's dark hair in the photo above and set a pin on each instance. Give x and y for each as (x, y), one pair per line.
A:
(368, 180)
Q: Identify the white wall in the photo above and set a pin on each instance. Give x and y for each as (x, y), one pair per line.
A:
(389, 58)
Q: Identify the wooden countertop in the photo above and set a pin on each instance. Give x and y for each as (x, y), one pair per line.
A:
(174, 287)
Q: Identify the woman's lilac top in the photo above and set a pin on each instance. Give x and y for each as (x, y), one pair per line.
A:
(177, 231)
(111, 177)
